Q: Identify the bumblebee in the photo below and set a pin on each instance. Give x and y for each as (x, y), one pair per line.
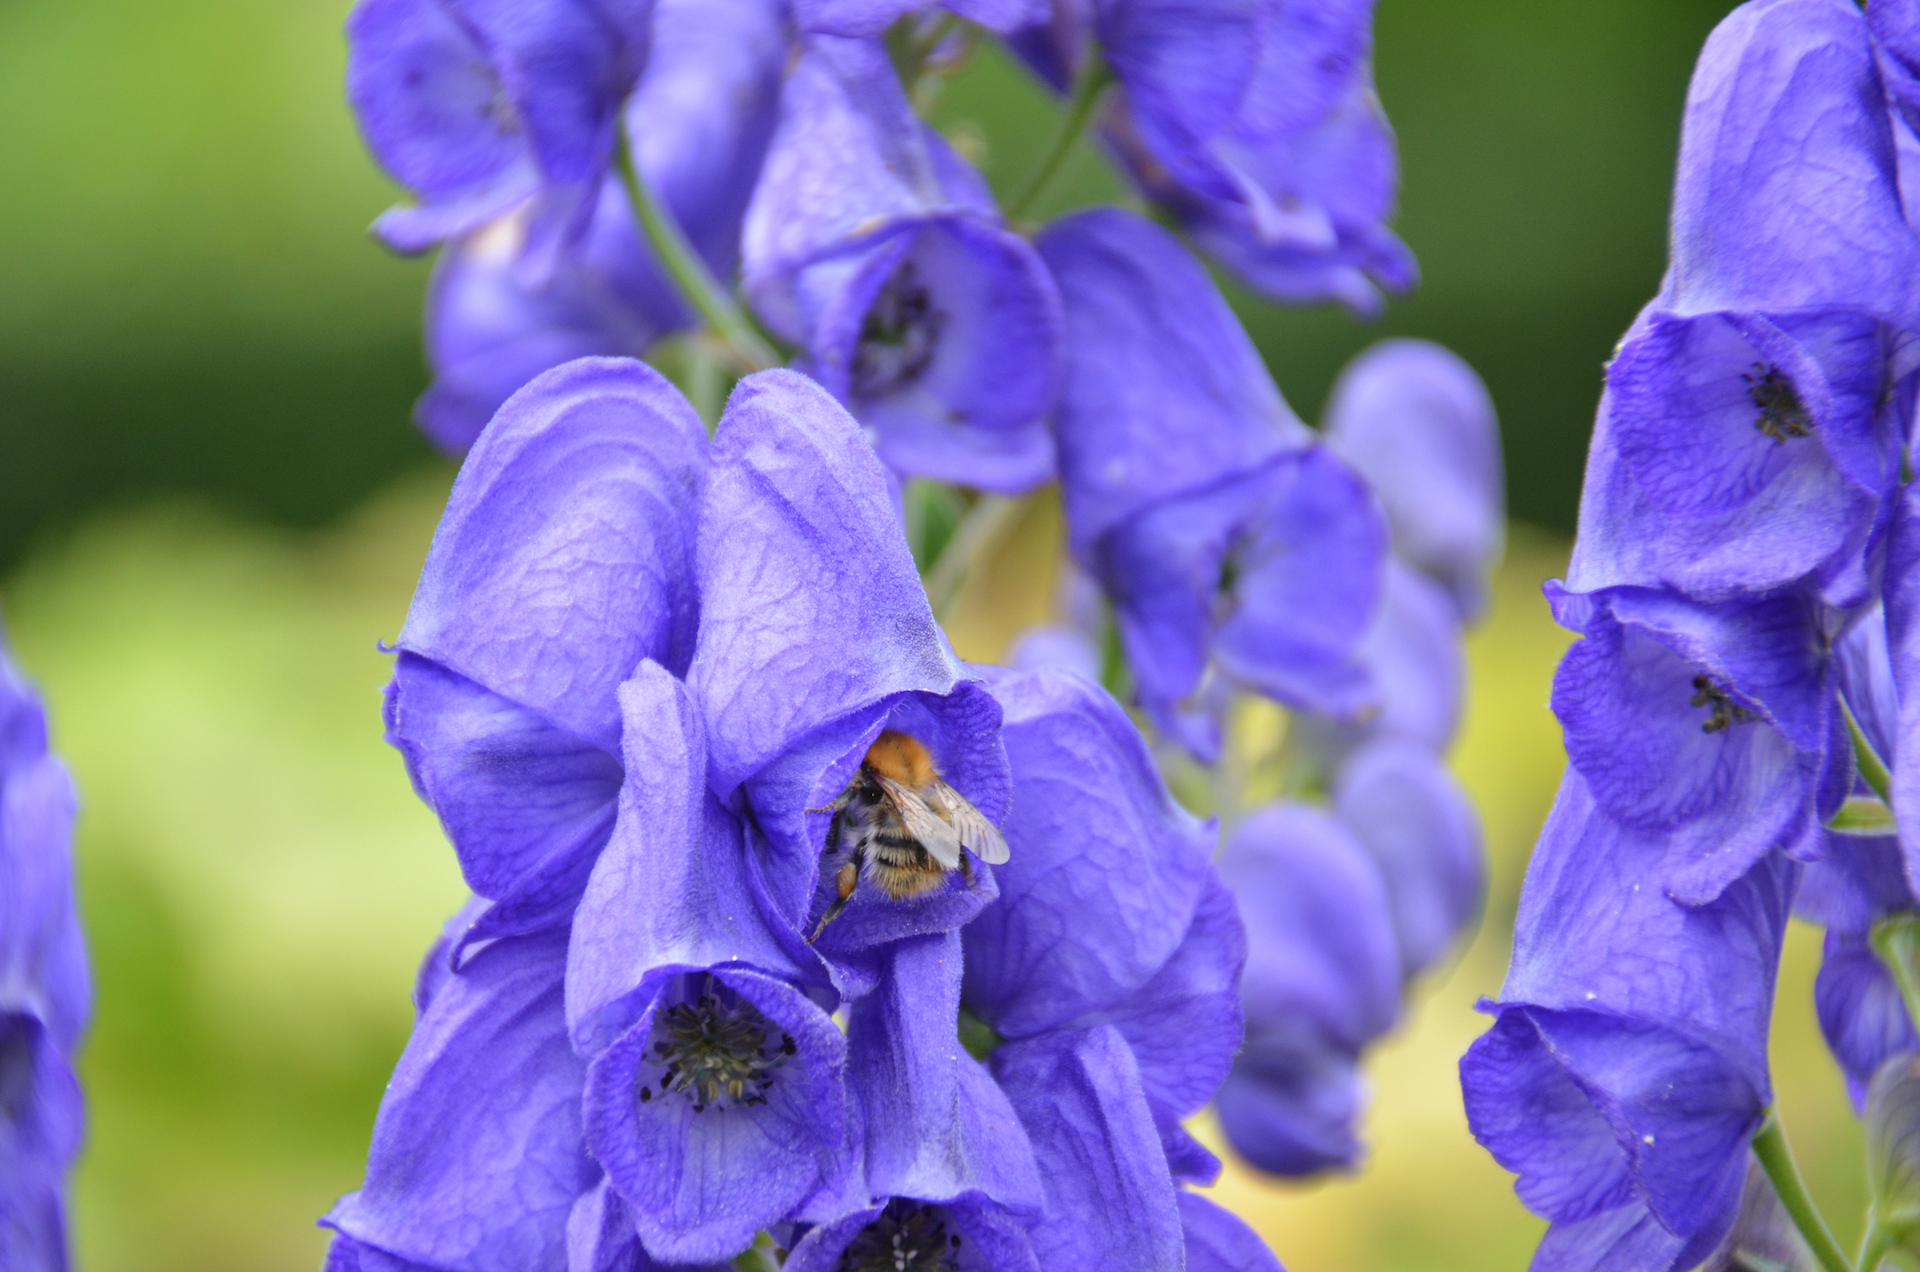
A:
(902, 827)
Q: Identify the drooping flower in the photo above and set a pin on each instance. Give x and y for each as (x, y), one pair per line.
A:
(700, 120)
(45, 994)
(563, 561)
(880, 252)
(1226, 539)
(1749, 435)
(1713, 728)
(1256, 126)
(1322, 982)
(1418, 424)
(475, 107)
(1626, 1069)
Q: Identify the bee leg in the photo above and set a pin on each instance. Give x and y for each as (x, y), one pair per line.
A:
(844, 884)
(966, 867)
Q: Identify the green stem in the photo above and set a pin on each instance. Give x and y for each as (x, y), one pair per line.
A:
(759, 1257)
(1873, 1250)
(1776, 1158)
(696, 283)
(985, 524)
(1872, 767)
(1896, 939)
(1094, 77)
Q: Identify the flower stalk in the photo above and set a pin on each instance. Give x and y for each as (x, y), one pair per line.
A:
(690, 274)
(1095, 75)
(1776, 1158)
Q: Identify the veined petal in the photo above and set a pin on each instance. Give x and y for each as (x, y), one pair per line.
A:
(564, 557)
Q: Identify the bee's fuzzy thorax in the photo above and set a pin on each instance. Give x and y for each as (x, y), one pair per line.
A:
(902, 758)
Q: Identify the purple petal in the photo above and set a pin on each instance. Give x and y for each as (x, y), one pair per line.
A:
(477, 1156)
(1292, 1103)
(564, 556)
(989, 1236)
(700, 1182)
(1596, 933)
(944, 341)
(1787, 196)
(1421, 829)
(938, 1127)
(671, 889)
(1321, 952)
(1220, 1241)
(524, 802)
(1418, 424)
(1903, 648)
(1683, 442)
(1110, 1200)
(1862, 1013)
(1105, 867)
(1164, 393)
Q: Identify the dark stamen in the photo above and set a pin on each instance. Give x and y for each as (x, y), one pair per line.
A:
(907, 1237)
(898, 337)
(1726, 711)
(1782, 414)
(718, 1052)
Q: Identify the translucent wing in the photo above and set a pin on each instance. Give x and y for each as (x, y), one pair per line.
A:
(970, 824)
(922, 822)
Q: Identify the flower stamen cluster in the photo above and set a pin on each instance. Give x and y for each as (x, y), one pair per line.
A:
(1726, 712)
(905, 1238)
(1782, 414)
(717, 1051)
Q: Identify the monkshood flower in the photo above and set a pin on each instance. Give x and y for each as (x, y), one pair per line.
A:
(476, 107)
(1626, 1069)
(1750, 431)
(1322, 982)
(715, 1094)
(700, 121)
(564, 559)
(1108, 971)
(881, 253)
(1230, 544)
(1416, 421)
(45, 995)
(1256, 127)
(1714, 729)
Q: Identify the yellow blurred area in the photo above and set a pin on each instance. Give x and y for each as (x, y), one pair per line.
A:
(259, 882)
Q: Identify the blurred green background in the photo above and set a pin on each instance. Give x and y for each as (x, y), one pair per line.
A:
(212, 504)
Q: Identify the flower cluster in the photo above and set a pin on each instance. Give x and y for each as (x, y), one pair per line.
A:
(1741, 586)
(778, 144)
(666, 699)
(44, 992)
(789, 927)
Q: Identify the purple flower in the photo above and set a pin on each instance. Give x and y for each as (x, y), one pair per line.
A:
(1257, 127)
(477, 105)
(1417, 423)
(714, 1098)
(1750, 431)
(1862, 1014)
(1226, 540)
(1108, 970)
(880, 252)
(700, 119)
(45, 995)
(1626, 1069)
(1322, 981)
(477, 1157)
(564, 559)
(1714, 728)
(1412, 817)
(815, 637)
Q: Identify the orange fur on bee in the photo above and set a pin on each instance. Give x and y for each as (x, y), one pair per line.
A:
(904, 759)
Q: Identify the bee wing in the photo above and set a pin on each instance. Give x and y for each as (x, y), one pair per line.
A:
(971, 825)
(922, 822)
